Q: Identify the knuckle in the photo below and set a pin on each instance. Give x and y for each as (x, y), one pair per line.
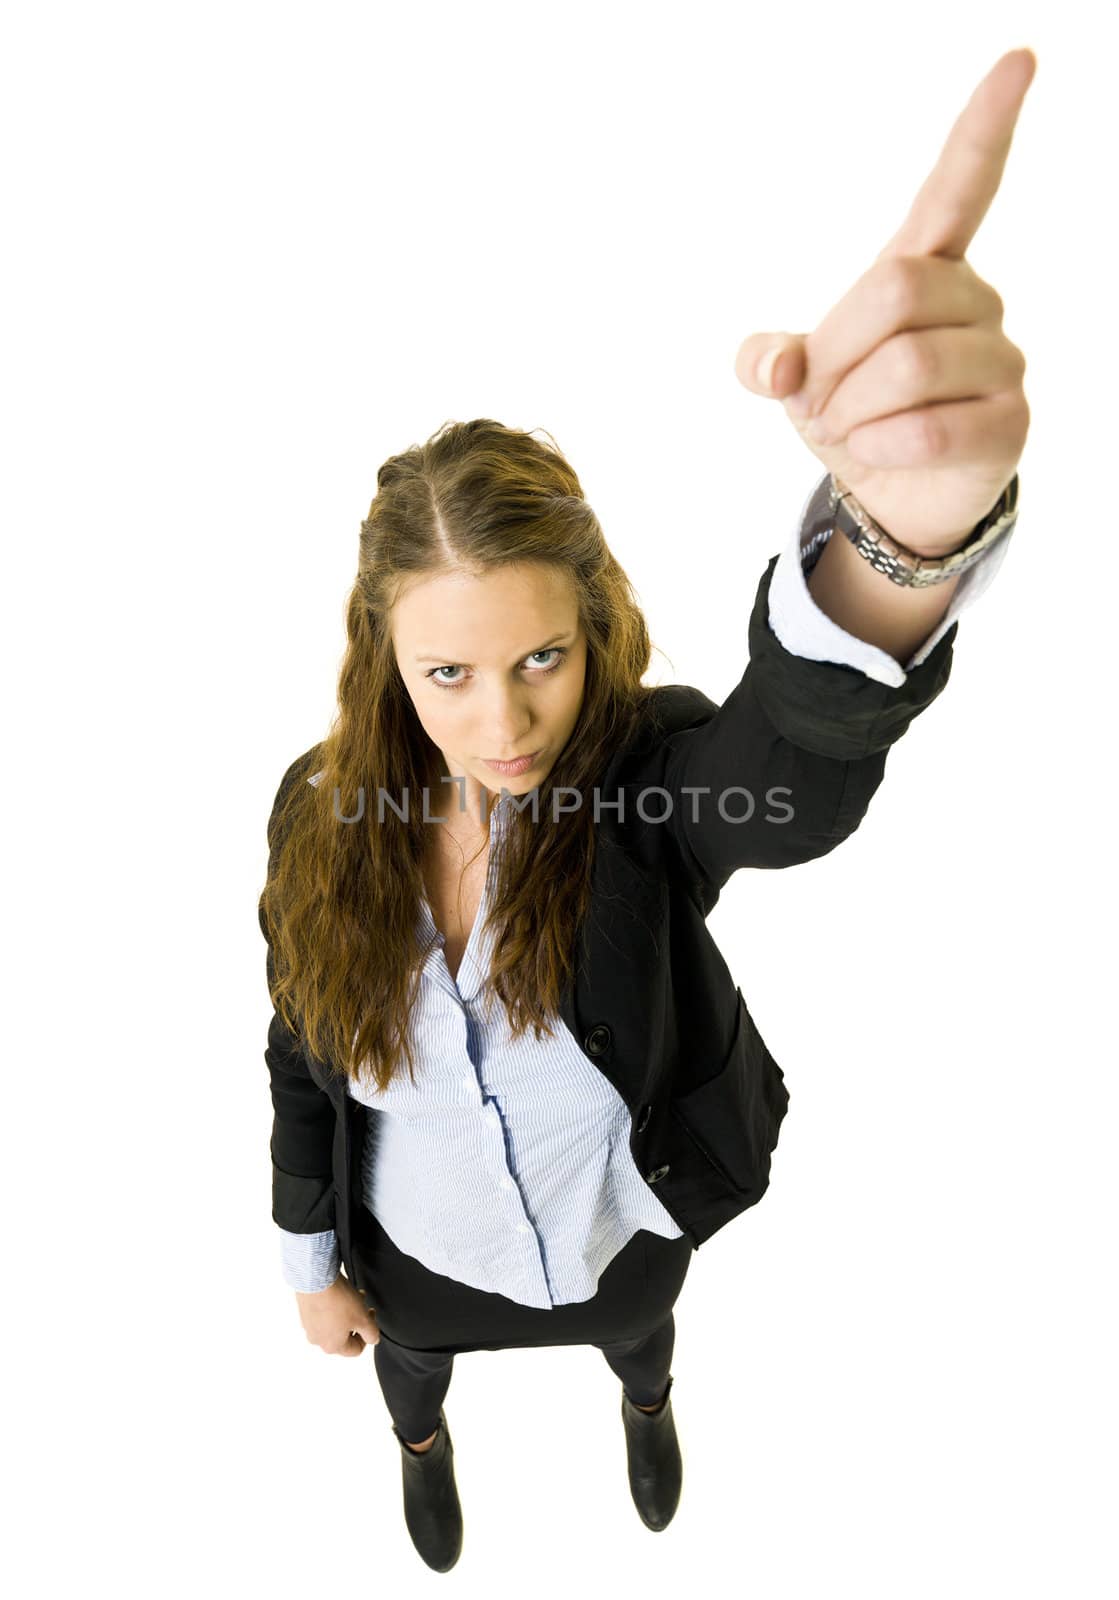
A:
(900, 284)
(915, 358)
(978, 288)
(933, 435)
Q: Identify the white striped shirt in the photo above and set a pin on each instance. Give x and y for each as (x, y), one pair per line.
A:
(506, 1165)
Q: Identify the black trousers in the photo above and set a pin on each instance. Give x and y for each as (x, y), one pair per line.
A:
(427, 1319)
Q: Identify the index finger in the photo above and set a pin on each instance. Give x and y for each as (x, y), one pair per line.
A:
(956, 195)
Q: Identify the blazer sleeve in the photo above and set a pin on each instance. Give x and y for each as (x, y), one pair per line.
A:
(303, 1115)
(785, 768)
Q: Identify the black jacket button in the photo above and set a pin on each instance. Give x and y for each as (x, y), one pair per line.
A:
(643, 1119)
(598, 1040)
(656, 1175)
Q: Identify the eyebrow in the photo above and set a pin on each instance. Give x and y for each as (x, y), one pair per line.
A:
(445, 661)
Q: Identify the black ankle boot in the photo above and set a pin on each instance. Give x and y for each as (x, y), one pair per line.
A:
(653, 1460)
(431, 1505)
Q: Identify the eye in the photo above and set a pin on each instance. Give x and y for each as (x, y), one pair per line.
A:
(537, 672)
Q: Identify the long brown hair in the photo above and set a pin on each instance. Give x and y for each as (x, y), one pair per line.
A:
(341, 903)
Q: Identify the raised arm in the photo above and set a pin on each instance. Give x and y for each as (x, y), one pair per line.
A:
(909, 392)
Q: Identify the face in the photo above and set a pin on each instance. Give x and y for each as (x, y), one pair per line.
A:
(495, 667)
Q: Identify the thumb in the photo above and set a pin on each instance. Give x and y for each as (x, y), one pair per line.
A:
(772, 364)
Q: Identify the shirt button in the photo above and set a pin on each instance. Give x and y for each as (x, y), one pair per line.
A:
(522, 1227)
(506, 1183)
(468, 1083)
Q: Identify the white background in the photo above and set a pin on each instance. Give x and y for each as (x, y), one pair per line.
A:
(251, 251)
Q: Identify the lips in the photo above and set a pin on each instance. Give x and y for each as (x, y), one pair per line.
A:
(512, 768)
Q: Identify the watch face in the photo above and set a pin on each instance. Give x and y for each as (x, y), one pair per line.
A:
(859, 524)
(844, 510)
(847, 519)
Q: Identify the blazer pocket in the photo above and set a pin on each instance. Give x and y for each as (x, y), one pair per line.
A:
(733, 1119)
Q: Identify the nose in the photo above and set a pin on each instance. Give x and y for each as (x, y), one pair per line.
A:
(506, 725)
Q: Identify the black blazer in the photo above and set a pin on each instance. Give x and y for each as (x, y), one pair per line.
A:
(653, 1003)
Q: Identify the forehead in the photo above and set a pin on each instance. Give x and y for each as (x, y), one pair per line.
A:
(502, 600)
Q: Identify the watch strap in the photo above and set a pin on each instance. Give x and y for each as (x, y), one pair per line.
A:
(833, 506)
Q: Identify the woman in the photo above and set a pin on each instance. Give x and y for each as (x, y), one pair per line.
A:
(483, 1187)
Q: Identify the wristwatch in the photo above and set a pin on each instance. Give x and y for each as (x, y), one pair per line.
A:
(834, 506)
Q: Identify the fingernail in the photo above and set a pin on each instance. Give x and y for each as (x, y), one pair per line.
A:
(766, 366)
